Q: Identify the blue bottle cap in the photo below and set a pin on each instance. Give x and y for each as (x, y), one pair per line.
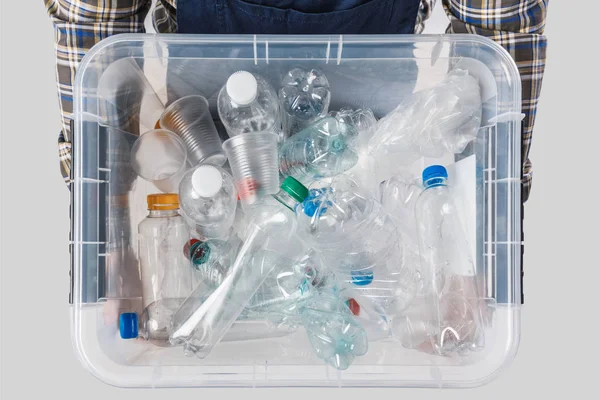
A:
(434, 175)
(128, 325)
(362, 278)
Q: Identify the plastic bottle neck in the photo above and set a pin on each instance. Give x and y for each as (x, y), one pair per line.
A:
(163, 213)
(435, 182)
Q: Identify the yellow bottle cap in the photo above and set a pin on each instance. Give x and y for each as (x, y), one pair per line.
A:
(163, 201)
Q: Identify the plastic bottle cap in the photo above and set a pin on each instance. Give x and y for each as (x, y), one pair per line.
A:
(207, 180)
(128, 325)
(298, 191)
(433, 172)
(242, 87)
(163, 201)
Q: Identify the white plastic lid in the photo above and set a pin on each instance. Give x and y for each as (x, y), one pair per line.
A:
(207, 180)
(242, 87)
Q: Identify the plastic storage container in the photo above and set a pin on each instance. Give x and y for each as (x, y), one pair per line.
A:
(378, 72)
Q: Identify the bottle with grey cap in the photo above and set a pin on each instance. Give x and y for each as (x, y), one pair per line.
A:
(248, 103)
(209, 199)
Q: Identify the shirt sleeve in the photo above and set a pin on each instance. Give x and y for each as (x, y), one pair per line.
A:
(518, 26)
(79, 25)
(425, 9)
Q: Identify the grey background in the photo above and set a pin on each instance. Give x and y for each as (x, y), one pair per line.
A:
(559, 345)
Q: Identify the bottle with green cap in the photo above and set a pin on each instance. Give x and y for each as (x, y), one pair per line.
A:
(269, 241)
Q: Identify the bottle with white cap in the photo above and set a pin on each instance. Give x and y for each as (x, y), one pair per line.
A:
(208, 198)
(248, 103)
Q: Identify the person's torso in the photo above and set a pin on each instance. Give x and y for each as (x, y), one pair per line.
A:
(297, 16)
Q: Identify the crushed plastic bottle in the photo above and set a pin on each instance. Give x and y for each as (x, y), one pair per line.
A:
(442, 119)
(324, 149)
(359, 242)
(269, 241)
(282, 295)
(165, 271)
(208, 197)
(360, 122)
(248, 103)
(453, 306)
(304, 97)
(334, 334)
(211, 259)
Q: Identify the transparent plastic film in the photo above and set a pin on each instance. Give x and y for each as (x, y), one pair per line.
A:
(444, 118)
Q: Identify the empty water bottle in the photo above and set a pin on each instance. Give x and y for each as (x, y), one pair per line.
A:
(268, 242)
(360, 242)
(324, 149)
(304, 97)
(165, 271)
(247, 103)
(334, 334)
(209, 199)
(453, 306)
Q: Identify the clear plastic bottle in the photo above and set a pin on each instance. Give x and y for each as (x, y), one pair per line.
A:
(269, 241)
(212, 258)
(324, 149)
(209, 199)
(165, 271)
(454, 308)
(334, 334)
(304, 97)
(359, 242)
(248, 103)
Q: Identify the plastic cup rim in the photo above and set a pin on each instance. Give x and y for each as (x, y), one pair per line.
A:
(169, 109)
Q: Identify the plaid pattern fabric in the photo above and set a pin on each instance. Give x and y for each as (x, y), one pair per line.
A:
(518, 26)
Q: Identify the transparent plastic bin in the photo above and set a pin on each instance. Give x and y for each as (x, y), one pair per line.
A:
(378, 72)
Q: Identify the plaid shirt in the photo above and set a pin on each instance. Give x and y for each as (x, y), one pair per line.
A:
(517, 25)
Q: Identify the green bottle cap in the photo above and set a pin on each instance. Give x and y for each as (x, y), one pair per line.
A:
(298, 191)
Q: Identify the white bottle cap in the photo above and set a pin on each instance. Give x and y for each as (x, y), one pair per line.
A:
(207, 181)
(242, 87)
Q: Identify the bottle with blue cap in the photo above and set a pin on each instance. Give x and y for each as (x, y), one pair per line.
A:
(269, 241)
(454, 308)
(166, 272)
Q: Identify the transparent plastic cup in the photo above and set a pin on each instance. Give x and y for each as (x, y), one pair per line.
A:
(253, 161)
(159, 156)
(127, 100)
(190, 118)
